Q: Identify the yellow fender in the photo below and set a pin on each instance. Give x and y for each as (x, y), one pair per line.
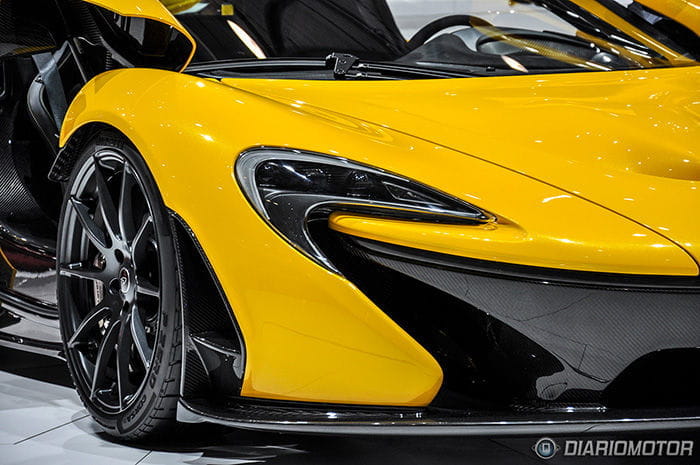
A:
(310, 334)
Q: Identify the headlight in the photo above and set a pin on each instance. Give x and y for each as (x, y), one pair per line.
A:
(290, 188)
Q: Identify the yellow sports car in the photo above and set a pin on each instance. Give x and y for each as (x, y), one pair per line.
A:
(356, 216)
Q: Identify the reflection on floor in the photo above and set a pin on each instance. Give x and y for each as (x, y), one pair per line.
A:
(42, 421)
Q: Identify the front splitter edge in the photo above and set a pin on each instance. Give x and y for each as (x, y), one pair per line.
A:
(402, 425)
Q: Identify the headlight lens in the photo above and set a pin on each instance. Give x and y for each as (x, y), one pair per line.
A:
(290, 188)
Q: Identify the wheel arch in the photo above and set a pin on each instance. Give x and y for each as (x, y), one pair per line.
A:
(151, 108)
(189, 131)
(70, 148)
(207, 317)
(106, 104)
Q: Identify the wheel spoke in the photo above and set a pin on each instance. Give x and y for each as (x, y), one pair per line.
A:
(145, 224)
(97, 313)
(109, 237)
(93, 231)
(123, 356)
(146, 288)
(126, 221)
(79, 270)
(107, 208)
(138, 333)
(103, 356)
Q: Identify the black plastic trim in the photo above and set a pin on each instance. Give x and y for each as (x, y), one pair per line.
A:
(286, 64)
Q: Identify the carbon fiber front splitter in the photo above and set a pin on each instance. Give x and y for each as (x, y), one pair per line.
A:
(344, 420)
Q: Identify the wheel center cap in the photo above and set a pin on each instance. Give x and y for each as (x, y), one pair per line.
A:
(124, 281)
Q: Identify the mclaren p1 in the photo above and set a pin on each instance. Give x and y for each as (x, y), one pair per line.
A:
(357, 217)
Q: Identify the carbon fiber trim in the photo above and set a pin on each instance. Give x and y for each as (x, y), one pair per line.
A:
(309, 418)
(533, 337)
(214, 352)
(21, 217)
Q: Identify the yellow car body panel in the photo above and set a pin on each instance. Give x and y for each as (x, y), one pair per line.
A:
(505, 243)
(686, 12)
(178, 6)
(329, 345)
(334, 344)
(148, 9)
(625, 140)
(673, 56)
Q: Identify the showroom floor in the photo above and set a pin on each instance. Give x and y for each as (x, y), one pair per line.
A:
(42, 421)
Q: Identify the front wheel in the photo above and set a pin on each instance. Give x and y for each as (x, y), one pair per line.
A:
(117, 291)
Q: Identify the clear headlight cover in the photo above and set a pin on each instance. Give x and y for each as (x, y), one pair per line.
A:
(290, 188)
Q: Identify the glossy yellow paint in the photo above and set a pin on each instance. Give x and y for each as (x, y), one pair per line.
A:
(627, 141)
(686, 12)
(178, 6)
(148, 9)
(505, 243)
(673, 56)
(310, 334)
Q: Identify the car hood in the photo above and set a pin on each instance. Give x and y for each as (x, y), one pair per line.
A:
(627, 141)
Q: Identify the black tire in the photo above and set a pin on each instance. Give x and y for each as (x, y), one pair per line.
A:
(118, 299)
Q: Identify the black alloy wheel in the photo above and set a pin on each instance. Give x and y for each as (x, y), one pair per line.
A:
(117, 292)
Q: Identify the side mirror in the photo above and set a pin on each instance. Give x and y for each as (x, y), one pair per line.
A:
(22, 31)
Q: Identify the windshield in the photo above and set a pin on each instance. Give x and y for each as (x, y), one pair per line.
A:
(482, 36)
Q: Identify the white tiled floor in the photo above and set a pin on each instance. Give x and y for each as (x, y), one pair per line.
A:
(74, 443)
(43, 422)
(26, 412)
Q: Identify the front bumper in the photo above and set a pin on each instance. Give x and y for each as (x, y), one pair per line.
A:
(537, 338)
(524, 350)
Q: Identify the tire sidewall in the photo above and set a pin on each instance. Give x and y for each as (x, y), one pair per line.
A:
(166, 350)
